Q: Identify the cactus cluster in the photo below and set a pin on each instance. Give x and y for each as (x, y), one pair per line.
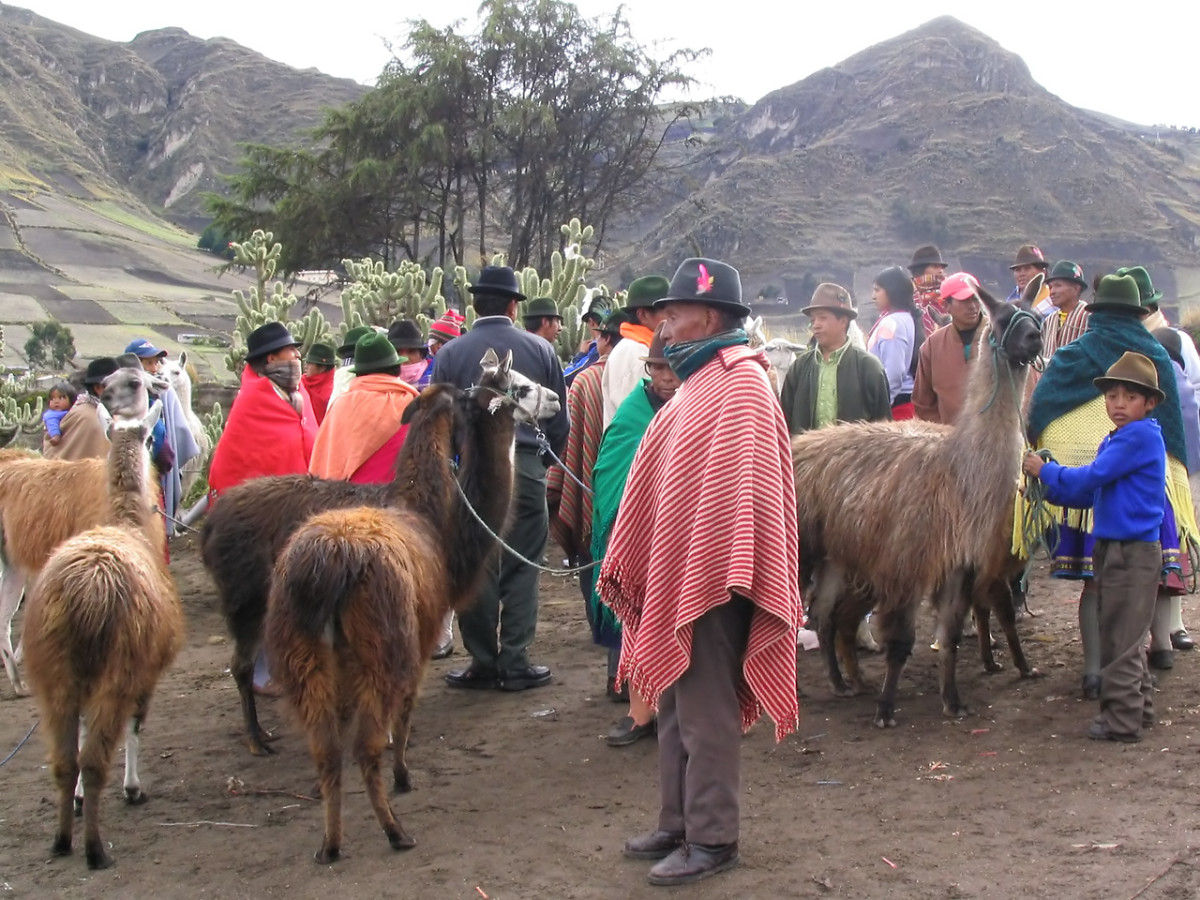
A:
(17, 414)
(268, 302)
(378, 297)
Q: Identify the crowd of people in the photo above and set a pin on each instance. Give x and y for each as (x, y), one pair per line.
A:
(667, 478)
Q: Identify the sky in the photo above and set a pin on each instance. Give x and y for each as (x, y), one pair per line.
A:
(1133, 61)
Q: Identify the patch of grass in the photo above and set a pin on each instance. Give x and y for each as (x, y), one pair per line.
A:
(13, 179)
(151, 227)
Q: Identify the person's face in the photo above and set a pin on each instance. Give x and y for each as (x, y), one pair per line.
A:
(829, 329)
(593, 325)
(1125, 404)
(663, 380)
(285, 354)
(1024, 273)
(551, 326)
(1065, 294)
(934, 269)
(687, 322)
(151, 364)
(58, 402)
(434, 347)
(964, 314)
(879, 295)
(311, 369)
(650, 317)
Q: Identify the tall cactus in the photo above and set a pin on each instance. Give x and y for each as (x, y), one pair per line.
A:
(378, 297)
(274, 304)
(17, 414)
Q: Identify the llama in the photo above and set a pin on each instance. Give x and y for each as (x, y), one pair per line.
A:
(891, 513)
(176, 374)
(104, 622)
(249, 525)
(43, 502)
(358, 599)
(781, 353)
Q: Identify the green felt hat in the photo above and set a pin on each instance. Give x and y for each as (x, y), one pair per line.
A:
(352, 338)
(1065, 270)
(1148, 296)
(373, 353)
(1116, 293)
(644, 291)
(541, 306)
(321, 355)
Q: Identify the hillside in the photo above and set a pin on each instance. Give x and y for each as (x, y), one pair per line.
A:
(938, 134)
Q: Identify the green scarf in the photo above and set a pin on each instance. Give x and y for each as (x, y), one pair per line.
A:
(688, 357)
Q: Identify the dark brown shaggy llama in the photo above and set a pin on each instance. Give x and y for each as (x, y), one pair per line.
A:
(104, 622)
(249, 525)
(358, 598)
(893, 513)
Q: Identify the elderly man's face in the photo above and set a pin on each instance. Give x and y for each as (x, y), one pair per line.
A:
(663, 380)
(688, 322)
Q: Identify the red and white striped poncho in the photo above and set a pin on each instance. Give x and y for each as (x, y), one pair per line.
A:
(710, 510)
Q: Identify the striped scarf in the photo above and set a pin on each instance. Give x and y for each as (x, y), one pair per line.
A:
(709, 511)
(572, 524)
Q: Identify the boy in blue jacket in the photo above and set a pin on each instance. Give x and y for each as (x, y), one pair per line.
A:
(1126, 486)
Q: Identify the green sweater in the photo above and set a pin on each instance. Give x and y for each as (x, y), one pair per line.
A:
(862, 390)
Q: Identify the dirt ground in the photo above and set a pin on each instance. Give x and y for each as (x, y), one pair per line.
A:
(513, 801)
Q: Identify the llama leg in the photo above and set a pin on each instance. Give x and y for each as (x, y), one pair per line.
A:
(899, 630)
(64, 765)
(827, 589)
(134, 795)
(12, 588)
(246, 642)
(325, 742)
(82, 736)
(952, 609)
(401, 780)
(94, 760)
(1001, 602)
(369, 747)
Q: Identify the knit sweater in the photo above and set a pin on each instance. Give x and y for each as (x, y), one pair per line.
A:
(862, 390)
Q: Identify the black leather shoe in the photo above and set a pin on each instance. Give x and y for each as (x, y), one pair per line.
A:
(655, 845)
(692, 862)
(1181, 640)
(1091, 687)
(626, 732)
(1098, 731)
(1161, 659)
(472, 678)
(523, 679)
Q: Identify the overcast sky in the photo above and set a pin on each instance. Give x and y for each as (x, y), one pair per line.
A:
(1136, 61)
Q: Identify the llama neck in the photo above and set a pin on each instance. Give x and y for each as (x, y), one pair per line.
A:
(424, 477)
(129, 495)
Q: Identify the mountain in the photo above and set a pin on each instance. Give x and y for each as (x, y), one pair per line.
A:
(940, 135)
(159, 117)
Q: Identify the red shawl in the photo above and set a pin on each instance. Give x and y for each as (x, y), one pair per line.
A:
(572, 524)
(319, 388)
(710, 510)
(263, 436)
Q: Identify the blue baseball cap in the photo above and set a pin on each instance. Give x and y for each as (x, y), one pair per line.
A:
(143, 349)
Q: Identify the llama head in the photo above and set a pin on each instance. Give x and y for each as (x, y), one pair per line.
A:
(781, 353)
(126, 395)
(533, 402)
(1015, 331)
(756, 331)
(176, 373)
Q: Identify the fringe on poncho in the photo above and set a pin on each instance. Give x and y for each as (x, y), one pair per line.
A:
(710, 511)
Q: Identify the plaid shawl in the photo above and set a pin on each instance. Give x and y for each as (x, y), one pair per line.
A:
(572, 523)
(709, 511)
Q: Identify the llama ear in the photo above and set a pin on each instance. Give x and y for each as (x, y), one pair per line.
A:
(490, 361)
(506, 366)
(990, 303)
(151, 418)
(1030, 294)
(183, 359)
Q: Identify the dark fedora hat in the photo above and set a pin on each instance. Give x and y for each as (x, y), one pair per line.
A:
(267, 339)
(1065, 270)
(1132, 368)
(1146, 292)
(321, 355)
(99, 369)
(707, 281)
(541, 307)
(1030, 255)
(656, 352)
(1116, 293)
(373, 353)
(929, 255)
(405, 334)
(352, 337)
(499, 280)
(833, 297)
(644, 292)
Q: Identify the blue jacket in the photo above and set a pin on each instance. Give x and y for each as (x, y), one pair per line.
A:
(1126, 484)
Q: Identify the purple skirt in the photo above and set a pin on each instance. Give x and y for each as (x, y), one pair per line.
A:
(1073, 557)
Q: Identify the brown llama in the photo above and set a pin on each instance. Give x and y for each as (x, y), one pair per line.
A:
(104, 621)
(358, 599)
(248, 526)
(893, 513)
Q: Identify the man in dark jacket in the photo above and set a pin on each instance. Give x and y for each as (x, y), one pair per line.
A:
(835, 381)
(508, 600)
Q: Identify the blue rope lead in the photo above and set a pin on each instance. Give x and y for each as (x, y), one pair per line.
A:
(24, 740)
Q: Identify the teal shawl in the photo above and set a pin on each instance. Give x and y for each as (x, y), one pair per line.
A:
(689, 356)
(614, 459)
(1067, 382)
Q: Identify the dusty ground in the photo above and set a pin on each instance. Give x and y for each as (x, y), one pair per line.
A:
(510, 804)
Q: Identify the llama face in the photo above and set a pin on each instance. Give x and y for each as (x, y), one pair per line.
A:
(175, 372)
(534, 402)
(1016, 331)
(126, 394)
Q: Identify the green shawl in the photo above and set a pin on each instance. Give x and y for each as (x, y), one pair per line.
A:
(614, 459)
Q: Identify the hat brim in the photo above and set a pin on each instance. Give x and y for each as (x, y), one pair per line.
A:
(921, 264)
(726, 305)
(1101, 306)
(157, 354)
(840, 310)
(379, 367)
(1104, 383)
(1041, 264)
(277, 344)
(1079, 281)
(498, 291)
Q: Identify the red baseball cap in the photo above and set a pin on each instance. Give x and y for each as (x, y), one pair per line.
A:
(960, 286)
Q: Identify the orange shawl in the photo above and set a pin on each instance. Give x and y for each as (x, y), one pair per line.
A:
(361, 422)
(639, 333)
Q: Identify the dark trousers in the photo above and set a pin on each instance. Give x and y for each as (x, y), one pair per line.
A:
(508, 599)
(700, 731)
(1127, 577)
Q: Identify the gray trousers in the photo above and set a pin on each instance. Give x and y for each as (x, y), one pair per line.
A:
(1127, 578)
(700, 731)
(508, 599)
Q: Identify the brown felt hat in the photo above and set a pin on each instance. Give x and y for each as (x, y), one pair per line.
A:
(929, 255)
(656, 352)
(1132, 368)
(1030, 255)
(833, 297)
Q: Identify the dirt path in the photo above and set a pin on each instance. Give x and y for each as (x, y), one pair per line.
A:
(1012, 802)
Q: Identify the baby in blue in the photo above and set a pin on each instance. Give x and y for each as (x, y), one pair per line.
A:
(58, 404)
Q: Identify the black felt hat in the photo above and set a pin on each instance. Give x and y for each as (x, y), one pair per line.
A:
(707, 281)
(99, 369)
(405, 334)
(499, 280)
(267, 339)
(929, 255)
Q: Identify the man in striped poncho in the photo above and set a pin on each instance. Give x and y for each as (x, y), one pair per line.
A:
(702, 571)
